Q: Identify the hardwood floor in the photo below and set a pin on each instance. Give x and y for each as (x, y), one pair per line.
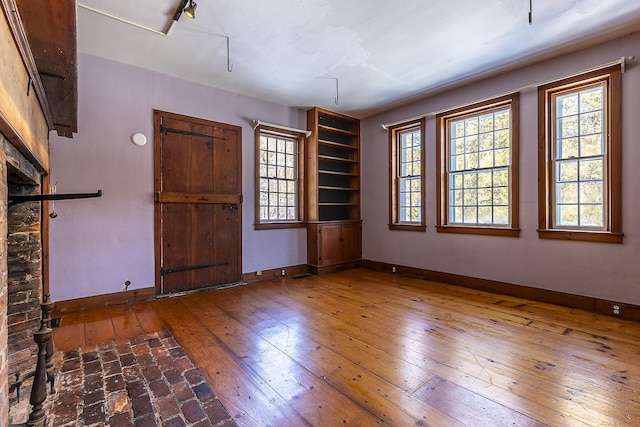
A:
(363, 348)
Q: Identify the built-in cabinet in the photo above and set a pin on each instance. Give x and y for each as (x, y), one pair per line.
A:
(334, 233)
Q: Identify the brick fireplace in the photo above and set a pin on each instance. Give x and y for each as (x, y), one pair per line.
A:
(39, 79)
(21, 260)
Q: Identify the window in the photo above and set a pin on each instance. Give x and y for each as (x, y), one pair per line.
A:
(478, 168)
(579, 158)
(278, 178)
(406, 148)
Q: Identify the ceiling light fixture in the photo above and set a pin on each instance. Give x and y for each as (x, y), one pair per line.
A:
(190, 10)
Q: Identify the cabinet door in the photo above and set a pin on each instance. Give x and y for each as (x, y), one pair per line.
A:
(351, 242)
(330, 240)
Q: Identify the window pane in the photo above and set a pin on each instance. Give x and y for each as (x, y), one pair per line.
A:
(457, 129)
(568, 148)
(567, 193)
(471, 126)
(470, 215)
(501, 215)
(501, 177)
(471, 161)
(486, 159)
(456, 215)
(591, 192)
(591, 145)
(485, 197)
(591, 170)
(484, 179)
(470, 198)
(502, 138)
(568, 215)
(470, 180)
(485, 215)
(471, 144)
(591, 99)
(457, 146)
(503, 119)
(567, 105)
(591, 123)
(486, 123)
(501, 196)
(486, 141)
(568, 127)
(568, 171)
(591, 216)
(457, 197)
(502, 157)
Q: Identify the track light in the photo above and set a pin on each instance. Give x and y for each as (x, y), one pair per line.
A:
(190, 10)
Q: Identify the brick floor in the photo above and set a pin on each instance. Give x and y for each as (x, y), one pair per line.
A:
(142, 381)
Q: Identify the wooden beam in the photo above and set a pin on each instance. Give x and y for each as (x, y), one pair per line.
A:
(51, 30)
(25, 119)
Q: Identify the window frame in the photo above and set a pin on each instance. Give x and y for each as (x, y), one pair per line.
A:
(299, 137)
(612, 232)
(443, 158)
(394, 133)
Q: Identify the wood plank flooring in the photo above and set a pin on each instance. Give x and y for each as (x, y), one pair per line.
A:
(367, 348)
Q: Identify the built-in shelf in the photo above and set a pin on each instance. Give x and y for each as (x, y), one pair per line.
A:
(336, 159)
(333, 170)
(328, 187)
(339, 131)
(334, 232)
(337, 144)
(327, 172)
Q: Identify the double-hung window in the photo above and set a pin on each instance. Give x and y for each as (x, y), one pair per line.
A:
(406, 192)
(478, 168)
(278, 178)
(579, 158)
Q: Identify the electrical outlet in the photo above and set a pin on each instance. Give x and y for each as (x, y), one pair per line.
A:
(616, 309)
(283, 272)
(393, 269)
(259, 273)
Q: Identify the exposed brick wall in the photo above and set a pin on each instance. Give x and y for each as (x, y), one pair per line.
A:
(24, 280)
(4, 365)
(21, 270)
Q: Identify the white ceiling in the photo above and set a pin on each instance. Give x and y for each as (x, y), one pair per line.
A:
(381, 52)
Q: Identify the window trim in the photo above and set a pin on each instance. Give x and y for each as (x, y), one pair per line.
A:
(442, 181)
(300, 137)
(613, 233)
(394, 181)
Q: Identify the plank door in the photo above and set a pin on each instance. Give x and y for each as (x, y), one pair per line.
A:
(351, 241)
(330, 244)
(198, 229)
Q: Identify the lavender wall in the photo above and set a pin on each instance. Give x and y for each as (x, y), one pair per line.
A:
(608, 271)
(98, 244)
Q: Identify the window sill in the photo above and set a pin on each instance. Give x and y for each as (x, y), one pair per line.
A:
(408, 227)
(487, 231)
(279, 225)
(583, 236)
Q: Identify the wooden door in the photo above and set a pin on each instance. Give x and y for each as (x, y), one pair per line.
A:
(330, 238)
(198, 229)
(351, 241)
